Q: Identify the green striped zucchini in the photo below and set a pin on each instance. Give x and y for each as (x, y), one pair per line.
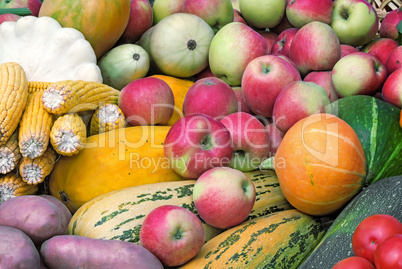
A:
(279, 240)
(118, 215)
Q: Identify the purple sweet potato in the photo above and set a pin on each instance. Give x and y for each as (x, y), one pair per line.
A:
(74, 251)
(36, 216)
(64, 211)
(17, 250)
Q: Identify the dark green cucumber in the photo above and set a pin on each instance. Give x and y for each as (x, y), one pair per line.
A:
(376, 123)
(381, 197)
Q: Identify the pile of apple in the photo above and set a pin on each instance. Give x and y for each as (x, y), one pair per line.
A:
(376, 243)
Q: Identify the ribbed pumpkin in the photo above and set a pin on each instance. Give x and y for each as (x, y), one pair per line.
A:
(102, 22)
(179, 88)
(111, 161)
(320, 164)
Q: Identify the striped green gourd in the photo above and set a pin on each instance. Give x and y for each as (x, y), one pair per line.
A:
(279, 240)
(118, 215)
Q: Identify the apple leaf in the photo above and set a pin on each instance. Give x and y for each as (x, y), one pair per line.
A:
(17, 11)
(399, 28)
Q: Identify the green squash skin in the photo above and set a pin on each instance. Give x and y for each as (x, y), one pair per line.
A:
(376, 123)
(381, 197)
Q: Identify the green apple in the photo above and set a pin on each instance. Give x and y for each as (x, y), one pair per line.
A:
(230, 52)
(217, 13)
(355, 22)
(164, 8)
(262, 13)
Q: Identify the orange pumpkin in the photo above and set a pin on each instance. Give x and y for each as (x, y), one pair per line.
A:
(102, 22)
(320, 164)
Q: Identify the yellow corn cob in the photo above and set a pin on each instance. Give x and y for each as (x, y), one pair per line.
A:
(12, 185)
(10, 154)
(35, 86)
(77, 95)
(68, 134)
(34, 130)
(13, 98)
(34, 171)
(106, 118)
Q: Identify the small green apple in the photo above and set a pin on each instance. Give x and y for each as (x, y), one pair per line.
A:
(262, 13)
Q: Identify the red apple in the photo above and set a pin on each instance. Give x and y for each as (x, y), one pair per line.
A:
(381, 48)
(282, 43)
(297, 101)
(217, 13)
(301, 12)
(358, 73)
(224, 197)
(147, 101)
(270, 37)
(394, 60)
(197, 143)
(8, 17)
(237, 16)
(241, 105)
(389, 23)
(173, 234)
(275, 137)
(32, 5)
(140, 20)
(347, 49)
(263, 79)
(249, 140)
(315, 47)
(324, 79)
(210, 96)
(392, 88)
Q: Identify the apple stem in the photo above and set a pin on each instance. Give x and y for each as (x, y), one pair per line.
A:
(267, 164)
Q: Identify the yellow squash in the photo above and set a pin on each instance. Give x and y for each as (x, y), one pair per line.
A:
(110, 161)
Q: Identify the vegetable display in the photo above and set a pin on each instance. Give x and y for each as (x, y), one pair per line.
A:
(129, 153)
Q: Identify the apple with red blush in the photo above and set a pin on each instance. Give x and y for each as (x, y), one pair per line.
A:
(139, 21)
(173, 234)
(389, 23)
(296, 101)
(380, 48)
(315, 47)
(263, 79)
(283, 42)
(210, 96)
(196, 143)
(301, 12)
(224, 197)
(392, 88)
(394, 60)
(249, 139)
(147, 101)
(347, 49)
(324, 79)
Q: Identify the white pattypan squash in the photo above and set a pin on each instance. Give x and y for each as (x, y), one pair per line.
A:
(48, 52)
